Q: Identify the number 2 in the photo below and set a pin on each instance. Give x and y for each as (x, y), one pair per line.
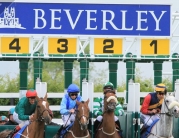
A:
(16, 47)
(154, 42)
(106, 47)
(64, 46)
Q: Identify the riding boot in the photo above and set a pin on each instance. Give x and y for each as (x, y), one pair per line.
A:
(96, 125)
(143, 129)
(16, 129)
(58, 132)
(119, 128)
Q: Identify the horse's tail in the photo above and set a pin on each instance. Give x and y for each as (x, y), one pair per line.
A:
(4, 133)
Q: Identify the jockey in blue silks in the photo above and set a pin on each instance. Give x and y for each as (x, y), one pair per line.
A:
(68, 106)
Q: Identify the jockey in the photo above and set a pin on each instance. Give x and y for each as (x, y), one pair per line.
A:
(98, 108)
(68, 106)
(152, 105)
(24, 111)
(10, 116)
(3, 120)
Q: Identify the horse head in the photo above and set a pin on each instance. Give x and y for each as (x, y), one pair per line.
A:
(110, 101)
(83, 114)
(172, 105)
(42, 110)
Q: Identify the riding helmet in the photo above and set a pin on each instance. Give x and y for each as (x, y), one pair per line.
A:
(73, 88)
(161, 88)
(108, 85)
(31, 93)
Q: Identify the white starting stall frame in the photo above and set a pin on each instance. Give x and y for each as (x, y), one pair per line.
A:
(41, 88)
(133, 111)
(130, 122)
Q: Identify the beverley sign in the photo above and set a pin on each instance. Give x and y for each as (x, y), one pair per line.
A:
(85, 19)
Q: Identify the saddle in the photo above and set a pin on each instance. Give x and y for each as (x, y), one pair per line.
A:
(19, 133)
(65, 130)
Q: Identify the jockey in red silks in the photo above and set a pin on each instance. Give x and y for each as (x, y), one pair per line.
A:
(152, 105)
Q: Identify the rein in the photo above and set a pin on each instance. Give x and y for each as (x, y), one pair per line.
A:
(78, 137)
(109, 134)
(167, 113)
(41, 118)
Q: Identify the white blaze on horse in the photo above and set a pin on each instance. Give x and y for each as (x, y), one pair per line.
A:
(163, 128)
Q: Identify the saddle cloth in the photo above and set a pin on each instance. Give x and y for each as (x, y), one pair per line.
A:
(65, 130)
(18, 134)
(148, 130)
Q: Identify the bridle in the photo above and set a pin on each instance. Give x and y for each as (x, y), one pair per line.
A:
(87, 118)
(167, 113)
(40, 117)
(107, 108)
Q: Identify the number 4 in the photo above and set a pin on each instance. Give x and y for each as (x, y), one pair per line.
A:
(16, 47)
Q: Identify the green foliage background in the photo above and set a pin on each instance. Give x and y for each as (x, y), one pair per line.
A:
(53, 75)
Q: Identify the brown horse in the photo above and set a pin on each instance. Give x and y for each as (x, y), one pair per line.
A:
(79, 128)
(41, 116)
(108, 127)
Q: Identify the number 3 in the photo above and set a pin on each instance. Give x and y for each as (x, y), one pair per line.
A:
(65, 45)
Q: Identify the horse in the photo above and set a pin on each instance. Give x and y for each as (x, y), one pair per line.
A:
(80, 126)
(108, 128)
(41, 116)
(163, 128)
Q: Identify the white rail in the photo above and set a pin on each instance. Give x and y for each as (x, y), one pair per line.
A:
(56, 95)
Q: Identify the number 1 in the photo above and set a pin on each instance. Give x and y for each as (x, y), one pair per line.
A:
(154, 42)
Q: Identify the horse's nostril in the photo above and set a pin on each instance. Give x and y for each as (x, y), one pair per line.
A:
(175, 110)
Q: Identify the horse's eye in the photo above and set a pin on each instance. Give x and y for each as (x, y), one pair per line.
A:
(167, 101)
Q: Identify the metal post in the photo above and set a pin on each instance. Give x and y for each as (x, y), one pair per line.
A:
(130, 66)
(84, 67)
(157, 72)
(175, 67)
(23, 66)
(68, 67)
(38, 64)
(113, 73)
